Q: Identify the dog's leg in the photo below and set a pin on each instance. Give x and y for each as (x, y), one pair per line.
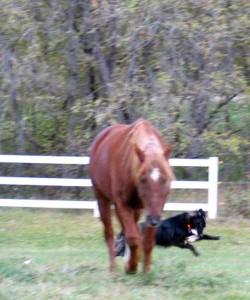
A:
(190, 247)
(210, 237)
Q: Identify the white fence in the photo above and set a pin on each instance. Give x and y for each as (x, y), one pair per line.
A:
(210, 185)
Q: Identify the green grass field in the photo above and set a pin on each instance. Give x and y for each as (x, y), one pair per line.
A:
(61, 255)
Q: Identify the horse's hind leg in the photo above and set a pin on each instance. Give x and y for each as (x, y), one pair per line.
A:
(105, 213)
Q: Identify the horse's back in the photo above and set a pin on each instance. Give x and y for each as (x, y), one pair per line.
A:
(104, 154)
(105, 142)
(103, 136)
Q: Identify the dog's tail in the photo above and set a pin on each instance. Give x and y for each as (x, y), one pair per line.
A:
(120, 245)
(120, 242)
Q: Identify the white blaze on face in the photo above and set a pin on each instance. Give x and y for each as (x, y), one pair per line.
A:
(155, 174)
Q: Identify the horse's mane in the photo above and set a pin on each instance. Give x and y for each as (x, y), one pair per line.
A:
(144, 136)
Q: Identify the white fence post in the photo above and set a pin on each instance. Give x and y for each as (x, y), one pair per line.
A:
(213, 187)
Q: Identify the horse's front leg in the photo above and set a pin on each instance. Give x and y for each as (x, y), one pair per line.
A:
(148, 244)
(128, 218)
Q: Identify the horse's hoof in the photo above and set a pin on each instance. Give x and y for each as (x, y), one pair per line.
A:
(146, 270)
(131, 270)
(112, 267)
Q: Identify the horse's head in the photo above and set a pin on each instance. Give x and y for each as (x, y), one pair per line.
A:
(153, 183)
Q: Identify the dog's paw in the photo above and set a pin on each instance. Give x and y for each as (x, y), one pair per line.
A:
(194, 231)
(192, 238)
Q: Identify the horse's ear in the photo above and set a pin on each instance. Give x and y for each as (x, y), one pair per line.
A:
(140, 153)
(167, 151)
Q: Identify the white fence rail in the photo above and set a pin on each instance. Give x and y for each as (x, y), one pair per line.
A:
(210, 185)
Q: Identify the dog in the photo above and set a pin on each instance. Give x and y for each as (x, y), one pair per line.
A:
(180, 231)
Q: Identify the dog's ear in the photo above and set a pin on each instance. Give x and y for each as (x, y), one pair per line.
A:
(193, 214)
(187, 217)
(201, 213)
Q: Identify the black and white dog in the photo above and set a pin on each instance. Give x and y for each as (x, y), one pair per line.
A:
(180, 231)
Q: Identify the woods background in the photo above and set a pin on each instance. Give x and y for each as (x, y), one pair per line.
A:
(70, 68)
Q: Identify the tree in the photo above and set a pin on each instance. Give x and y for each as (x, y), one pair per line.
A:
(72, 68)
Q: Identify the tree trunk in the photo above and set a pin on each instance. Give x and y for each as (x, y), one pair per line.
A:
(8, 58)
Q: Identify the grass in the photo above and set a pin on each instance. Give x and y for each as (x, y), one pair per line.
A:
(51, 254)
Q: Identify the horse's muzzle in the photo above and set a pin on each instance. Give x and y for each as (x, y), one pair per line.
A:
(153, 221)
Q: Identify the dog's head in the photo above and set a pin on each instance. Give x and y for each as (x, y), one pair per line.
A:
(197, 221)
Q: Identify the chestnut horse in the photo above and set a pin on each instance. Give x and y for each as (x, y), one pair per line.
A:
(129, 168)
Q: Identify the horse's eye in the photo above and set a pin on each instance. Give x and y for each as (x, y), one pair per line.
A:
(163, 180)
(143, 179)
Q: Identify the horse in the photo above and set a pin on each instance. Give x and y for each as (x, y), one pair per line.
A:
(129, 168)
